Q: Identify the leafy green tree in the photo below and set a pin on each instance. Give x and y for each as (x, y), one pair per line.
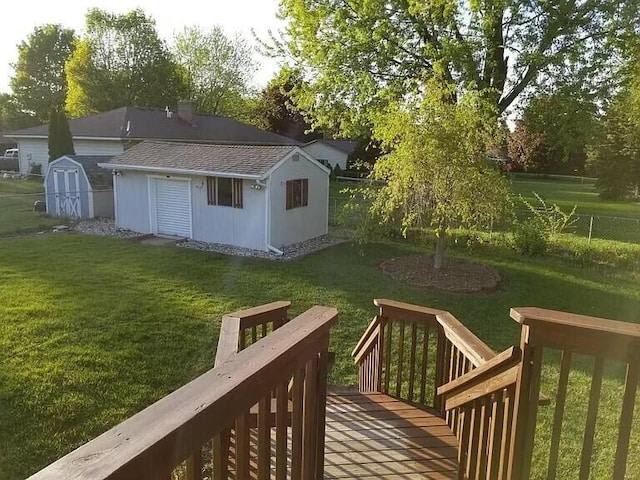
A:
(355, 50)
(39, 83)
(121, 62)
(553, 132)
(12, 117)
(436, 173)
(60, 140)
(277, 110)
(217, 69)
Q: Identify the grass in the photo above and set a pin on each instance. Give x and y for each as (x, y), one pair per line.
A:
(94, 329)
(16, 207)
(566, 194)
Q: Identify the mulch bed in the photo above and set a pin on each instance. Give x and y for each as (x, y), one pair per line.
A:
(457, 276)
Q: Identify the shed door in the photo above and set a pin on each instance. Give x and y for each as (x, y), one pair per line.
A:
(173, 207)
(66, 182)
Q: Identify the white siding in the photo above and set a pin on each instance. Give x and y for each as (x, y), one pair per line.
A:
(36, 151)
(243, 227)
(33, 151)
(132, 203)
(321, 151)
(98, 147)
(303, 223)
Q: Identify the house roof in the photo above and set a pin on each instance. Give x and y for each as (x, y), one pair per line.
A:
(347, 146)
(99, 178)
(253, 161)
(137, 124)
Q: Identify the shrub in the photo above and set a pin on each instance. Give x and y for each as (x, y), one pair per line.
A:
(551, 217)
(531, 237)
(35, 170)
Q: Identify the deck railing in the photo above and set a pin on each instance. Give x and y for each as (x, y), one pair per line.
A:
(236, 395)
(491, 401)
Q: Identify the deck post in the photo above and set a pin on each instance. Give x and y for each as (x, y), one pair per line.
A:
(527, 392)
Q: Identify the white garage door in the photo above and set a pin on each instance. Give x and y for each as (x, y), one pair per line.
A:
(173, 207)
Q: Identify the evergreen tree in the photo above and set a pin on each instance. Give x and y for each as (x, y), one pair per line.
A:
(53, 134)
(60, 139)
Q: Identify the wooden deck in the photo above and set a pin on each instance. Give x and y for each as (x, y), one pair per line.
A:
(371, 436)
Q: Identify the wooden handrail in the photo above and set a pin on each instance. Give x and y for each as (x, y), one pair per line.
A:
(595, 336)
(408, 311)
(493, 376)
(264, 313)
(151, 443)
(471, 346)
(228, 339)
(371, 328)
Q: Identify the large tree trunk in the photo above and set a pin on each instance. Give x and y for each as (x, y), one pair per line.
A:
(438, 261)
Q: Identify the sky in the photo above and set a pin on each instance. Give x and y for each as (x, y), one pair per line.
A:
(20, 17)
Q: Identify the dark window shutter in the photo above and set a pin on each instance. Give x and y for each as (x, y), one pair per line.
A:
(237, 193)
(289, 194)
(305, 192)
(211, 191)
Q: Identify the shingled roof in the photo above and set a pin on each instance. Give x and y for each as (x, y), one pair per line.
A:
(99, 178)
(253, 161)
(129, 123)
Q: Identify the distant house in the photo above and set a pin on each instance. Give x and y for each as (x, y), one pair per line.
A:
(75, 187)
(110, 133)
(331, 152)
(261, 197)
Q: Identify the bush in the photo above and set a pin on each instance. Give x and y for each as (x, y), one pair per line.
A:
(36, 170)
(531, 237)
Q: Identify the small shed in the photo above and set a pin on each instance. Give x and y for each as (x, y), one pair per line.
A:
(75, 187)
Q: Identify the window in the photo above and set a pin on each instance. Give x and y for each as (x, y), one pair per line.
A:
(297, 193)
(226, 192)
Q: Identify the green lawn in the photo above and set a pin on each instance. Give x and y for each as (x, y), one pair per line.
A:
(94, 329)
(16, 207)
(567, 193)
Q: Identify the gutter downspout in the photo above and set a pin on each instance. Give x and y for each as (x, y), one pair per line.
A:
(275, 250)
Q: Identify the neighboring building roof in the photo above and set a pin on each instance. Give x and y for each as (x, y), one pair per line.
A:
(347, 146)
(99, 178)
(137, 124)
(252, 161)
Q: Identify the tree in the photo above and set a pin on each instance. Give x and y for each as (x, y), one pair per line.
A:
(121, 62)
(60, 139)
(11, 117)
(362, 53)
(277, 111)
(39, 83)
(436, 173)
(217, 69)
(553, 132)
(615, 157)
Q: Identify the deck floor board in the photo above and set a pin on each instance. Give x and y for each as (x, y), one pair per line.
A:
(371, 436)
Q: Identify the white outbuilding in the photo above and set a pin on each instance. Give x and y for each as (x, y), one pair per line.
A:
(262, 197)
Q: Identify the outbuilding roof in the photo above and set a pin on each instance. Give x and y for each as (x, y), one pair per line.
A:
(138, 124)
(253, 161)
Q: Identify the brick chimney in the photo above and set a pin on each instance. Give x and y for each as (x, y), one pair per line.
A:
(185, 111)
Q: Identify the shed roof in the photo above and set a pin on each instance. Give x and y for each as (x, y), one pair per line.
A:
(242, 160)
(99, 178)
(139, 123)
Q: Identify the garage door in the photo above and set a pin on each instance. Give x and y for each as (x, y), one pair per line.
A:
(173, 207)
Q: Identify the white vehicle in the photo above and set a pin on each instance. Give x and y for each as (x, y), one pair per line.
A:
(11, 153)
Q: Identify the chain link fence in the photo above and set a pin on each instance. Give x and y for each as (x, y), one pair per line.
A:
(620, 229)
